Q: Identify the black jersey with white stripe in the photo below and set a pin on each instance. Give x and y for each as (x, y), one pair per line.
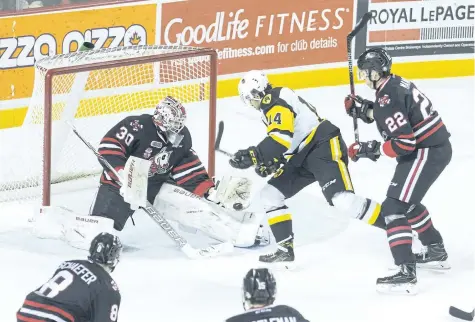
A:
(78, 291)
(406, 118)
(171, 161)
(270, 314)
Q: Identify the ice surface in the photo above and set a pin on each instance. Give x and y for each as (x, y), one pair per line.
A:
(339, 260)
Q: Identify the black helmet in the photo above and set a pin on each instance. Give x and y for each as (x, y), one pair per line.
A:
(105, 250)
(375, 59)
(258, 288)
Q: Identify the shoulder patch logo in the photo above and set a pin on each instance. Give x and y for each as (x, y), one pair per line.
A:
(267, 99)
(136, 126)
(384, 100)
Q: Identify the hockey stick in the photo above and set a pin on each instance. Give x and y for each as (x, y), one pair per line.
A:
(458, 313)
(219, 136)
(182, 243)
(359, 25)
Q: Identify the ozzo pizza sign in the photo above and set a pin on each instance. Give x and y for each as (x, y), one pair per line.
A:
(23, 51)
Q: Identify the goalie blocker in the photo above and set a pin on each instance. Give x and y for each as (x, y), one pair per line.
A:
(153, 155)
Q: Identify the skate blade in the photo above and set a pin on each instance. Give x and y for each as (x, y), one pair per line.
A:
(438, 266)
(397, 289)
(280, 266)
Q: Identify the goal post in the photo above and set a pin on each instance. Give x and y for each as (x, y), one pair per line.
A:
(95, 89)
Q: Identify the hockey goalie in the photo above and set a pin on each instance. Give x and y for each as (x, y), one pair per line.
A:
(154, 157)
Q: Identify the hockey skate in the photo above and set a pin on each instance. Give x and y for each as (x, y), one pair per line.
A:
(283, 257)
(433, 257)
(403, 282)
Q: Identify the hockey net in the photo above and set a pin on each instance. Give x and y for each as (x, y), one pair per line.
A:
(94, 90)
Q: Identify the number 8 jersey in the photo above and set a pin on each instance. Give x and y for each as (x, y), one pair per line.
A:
(406, 118)
(79, 291)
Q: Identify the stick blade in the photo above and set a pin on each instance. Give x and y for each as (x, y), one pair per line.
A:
(360, 24)
(458, 313)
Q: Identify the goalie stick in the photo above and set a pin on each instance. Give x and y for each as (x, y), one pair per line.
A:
(219, 136)
(458, 313)
(182, 243)
(359, 25)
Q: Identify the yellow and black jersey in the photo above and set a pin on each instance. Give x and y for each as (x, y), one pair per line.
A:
(291, 122)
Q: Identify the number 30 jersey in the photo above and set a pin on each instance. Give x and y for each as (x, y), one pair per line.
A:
(406, 118)
(79, 291)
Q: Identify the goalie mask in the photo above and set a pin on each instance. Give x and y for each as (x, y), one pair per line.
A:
(252, 88)
(170, 116)
(259, 288)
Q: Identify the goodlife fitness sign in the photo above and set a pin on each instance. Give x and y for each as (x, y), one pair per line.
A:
(267, 35)
(420, 27)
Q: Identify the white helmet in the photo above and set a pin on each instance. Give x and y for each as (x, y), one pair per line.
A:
(252, 86)
(170, 115)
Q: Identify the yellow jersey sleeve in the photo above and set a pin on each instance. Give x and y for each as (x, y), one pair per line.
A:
(280, 124)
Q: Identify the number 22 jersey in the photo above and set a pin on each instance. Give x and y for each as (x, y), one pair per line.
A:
(406, 118)
(79, 291)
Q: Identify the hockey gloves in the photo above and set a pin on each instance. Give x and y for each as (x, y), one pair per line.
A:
(363, 108)
(247, 158)
(272, 166)
(368, 150)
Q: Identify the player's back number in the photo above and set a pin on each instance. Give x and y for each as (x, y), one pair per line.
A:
(59, 282)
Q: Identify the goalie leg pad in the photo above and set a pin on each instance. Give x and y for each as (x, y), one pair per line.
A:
(76, 230)
(188, 209)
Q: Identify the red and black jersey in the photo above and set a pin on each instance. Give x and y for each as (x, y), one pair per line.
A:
(78, 291)
(139, 137)
(406, 118)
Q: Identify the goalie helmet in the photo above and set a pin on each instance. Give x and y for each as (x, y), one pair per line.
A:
(170, 115)
(105, 250)
(374, 64)
(259, 288)
(252, 88)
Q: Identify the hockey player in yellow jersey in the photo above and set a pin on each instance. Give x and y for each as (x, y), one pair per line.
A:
(300, 148)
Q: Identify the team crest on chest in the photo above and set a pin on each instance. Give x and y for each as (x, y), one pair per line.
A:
(384, 100)
(160, 162)
(136, 126)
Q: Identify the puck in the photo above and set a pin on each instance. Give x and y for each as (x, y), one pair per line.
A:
(237, 206)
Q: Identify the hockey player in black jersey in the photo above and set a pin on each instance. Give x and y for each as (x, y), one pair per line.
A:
(259, 289)
(414, 134)
(79, 290)
(310, 148)
(178, 185)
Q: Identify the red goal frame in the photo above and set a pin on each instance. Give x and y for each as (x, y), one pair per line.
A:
(48, 101)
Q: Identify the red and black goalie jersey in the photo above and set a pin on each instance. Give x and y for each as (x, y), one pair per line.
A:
(406, 118)
(139, 137)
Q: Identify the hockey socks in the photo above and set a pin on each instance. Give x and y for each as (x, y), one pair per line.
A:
(280, 222)
(420, 221)
(399, 234)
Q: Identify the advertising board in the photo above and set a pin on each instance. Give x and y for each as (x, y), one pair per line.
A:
(417, 28)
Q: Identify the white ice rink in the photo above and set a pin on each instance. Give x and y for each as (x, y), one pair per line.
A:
(338, 259)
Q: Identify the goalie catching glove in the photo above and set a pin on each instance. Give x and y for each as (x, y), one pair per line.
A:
(231, 193)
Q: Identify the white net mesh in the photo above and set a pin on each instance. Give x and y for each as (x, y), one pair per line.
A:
(94, 101)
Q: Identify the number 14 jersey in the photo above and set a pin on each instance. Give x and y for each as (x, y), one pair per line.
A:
(79, 291)
(406, 118)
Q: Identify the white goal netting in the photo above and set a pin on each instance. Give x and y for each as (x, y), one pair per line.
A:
(94, 90)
